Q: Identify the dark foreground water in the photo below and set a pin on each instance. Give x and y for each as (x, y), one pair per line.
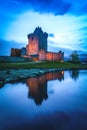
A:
(55, 101)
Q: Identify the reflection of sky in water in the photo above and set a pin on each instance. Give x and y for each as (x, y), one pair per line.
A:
(67, 99)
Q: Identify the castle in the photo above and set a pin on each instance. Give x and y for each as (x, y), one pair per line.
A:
(36, 49)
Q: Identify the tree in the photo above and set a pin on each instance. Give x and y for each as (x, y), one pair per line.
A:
(74, 57)
(74, 74)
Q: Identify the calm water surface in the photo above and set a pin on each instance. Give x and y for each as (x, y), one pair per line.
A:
(54, 101)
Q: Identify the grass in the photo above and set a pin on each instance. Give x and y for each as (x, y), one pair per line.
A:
(43, 64)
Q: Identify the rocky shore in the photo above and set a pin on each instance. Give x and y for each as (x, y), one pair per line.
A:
(15, 75)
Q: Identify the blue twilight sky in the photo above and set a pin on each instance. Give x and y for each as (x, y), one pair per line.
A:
(64, 20)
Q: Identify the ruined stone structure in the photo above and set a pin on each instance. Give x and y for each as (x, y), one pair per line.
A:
(15, 52)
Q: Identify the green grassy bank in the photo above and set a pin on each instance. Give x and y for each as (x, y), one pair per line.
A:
(44, 64)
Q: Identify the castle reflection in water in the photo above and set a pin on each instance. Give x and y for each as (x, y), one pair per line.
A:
(38, 85)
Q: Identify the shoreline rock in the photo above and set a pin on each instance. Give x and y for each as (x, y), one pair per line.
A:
(13, 75)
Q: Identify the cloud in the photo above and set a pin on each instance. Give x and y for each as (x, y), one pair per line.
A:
(83, 29)
(57, 7)
(79, 7)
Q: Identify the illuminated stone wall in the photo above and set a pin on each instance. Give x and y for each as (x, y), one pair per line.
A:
(55, 56)
(49, 56)
(33, 47)
(61, 56)
(42, 55)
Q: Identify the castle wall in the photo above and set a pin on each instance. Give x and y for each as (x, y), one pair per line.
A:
(41, 55)
(49, 56)
(33, 46)
(54, 56)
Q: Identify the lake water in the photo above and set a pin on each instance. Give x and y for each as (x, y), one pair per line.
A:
(54, 101)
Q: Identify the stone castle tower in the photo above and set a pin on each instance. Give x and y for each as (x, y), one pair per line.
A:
(36, 41)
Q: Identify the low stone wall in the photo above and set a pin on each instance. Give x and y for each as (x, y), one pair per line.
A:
(12, 59)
